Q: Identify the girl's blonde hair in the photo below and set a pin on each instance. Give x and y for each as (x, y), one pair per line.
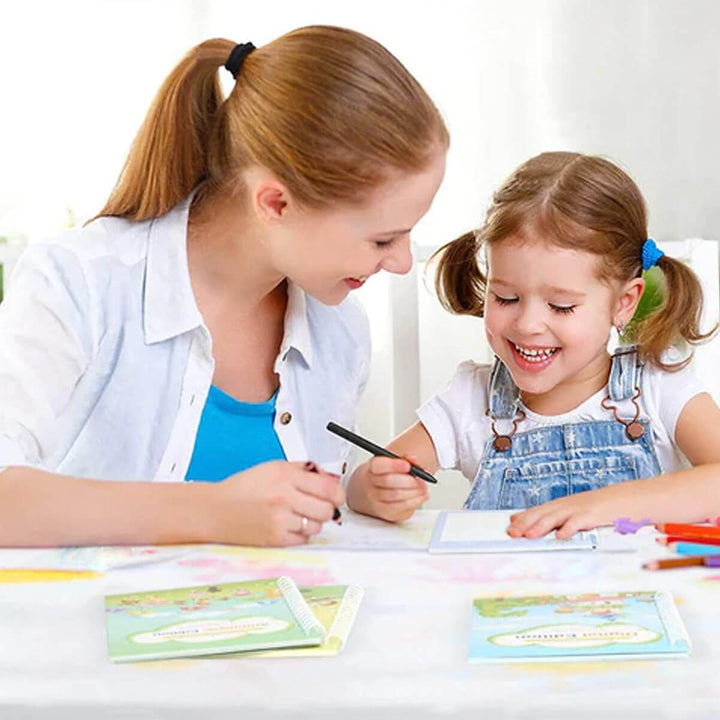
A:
(328, 110)
(584, 203)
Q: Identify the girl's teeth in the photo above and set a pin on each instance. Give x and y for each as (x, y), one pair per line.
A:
(535, 355)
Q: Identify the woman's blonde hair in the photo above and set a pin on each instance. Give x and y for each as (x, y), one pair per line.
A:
(580, 202)
(327, 110)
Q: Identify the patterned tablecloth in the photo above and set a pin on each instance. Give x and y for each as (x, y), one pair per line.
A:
(406, 656)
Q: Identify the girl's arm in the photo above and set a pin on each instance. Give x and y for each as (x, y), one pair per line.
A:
(382, 486)
(260, 506)
(691, 495)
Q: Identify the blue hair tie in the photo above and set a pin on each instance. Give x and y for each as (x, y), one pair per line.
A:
(650, 254)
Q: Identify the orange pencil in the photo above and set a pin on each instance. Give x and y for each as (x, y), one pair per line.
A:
(686, 530)
(667, 564)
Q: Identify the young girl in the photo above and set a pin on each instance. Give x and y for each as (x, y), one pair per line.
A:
(198, 329)
(565, 246)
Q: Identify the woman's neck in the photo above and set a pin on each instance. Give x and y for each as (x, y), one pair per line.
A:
(572, 392)
(227, 252)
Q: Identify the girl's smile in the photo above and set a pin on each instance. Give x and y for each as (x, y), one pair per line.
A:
(533, 359)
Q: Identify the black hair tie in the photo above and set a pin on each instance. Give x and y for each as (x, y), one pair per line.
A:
(237, 57)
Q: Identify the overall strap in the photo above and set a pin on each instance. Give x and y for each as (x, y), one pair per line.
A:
(625, 373)
(503, 393)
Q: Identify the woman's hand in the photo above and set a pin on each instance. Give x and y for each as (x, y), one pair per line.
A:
(276, 503)
(383, 488)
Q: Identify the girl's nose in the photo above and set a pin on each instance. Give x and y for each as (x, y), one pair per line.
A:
(399, 260)
(530, 319)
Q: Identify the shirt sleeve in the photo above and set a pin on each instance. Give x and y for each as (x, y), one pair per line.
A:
(45, 346)
(448, 415)
(670, 392)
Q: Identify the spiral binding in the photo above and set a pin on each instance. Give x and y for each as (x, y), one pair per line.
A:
(670, 618)
(308, 622)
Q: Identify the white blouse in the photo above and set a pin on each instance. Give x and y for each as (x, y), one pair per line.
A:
(105, 361)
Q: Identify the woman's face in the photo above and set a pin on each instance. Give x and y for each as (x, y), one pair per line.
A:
(329, 253)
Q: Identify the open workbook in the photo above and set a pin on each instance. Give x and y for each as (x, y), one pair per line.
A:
(587, 626)
(478, 531)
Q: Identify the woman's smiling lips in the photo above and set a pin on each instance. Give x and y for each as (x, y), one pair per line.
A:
(355, 283)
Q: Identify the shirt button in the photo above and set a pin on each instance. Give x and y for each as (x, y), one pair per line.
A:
(285, 418)
(344, 468)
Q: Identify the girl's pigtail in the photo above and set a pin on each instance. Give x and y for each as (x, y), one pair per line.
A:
(459, 281)
(168, 157)
(677, 319)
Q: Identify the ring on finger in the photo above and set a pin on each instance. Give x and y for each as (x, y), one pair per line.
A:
(304, 525)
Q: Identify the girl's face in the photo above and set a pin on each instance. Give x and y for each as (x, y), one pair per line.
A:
(329, 253)
(548, 318)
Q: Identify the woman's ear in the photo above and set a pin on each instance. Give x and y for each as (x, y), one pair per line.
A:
(628, 300)
(269, 198)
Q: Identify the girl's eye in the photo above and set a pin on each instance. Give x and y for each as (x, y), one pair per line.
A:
(384, 243)
(565, 309)
(504, 301)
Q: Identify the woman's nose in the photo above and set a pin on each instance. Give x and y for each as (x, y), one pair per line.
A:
(399, 260)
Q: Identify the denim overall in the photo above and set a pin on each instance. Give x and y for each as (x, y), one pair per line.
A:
(557, 460)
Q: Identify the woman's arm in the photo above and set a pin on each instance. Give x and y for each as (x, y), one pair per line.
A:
(261, 506)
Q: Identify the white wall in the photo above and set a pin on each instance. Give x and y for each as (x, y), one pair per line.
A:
(636, 80)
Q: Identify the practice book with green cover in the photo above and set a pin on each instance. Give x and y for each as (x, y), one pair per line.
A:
(210, 620)
(589, 626)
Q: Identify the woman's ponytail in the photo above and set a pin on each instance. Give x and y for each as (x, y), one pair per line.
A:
(168, 157)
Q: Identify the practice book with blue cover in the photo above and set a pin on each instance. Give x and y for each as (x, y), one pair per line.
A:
(587, 626)
(210, 620)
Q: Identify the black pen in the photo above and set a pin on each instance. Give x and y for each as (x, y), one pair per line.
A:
(337, 515)
(371, 447)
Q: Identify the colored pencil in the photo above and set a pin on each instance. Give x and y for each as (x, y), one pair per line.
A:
(709, 543)
(371, 447)
(37, 575)
(691, 548)
(669, 563)
(686, 529)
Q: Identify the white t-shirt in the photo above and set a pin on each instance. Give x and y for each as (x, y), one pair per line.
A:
(105, 361)
(456, 421)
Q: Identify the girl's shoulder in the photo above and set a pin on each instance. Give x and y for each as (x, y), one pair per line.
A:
(468, 386)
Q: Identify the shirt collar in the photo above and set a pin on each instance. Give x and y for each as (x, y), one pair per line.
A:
(169, 307)
(297, 328)
(169, 303)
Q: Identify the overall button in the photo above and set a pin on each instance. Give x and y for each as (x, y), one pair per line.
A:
(285, 418)
(344, 468)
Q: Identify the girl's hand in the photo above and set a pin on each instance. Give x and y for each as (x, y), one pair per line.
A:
(583, 511)
(266, 504)
(384, 489)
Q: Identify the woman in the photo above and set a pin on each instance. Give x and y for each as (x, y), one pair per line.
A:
(199, 328)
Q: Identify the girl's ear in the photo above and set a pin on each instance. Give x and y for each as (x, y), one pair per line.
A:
(628, 300)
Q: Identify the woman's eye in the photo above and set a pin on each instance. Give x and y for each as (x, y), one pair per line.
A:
(565, 309)
(384, 243)
(504, 301)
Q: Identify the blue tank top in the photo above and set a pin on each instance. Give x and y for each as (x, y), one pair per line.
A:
(233, 436)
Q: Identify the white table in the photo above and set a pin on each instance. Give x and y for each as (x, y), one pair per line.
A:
(406, 656)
